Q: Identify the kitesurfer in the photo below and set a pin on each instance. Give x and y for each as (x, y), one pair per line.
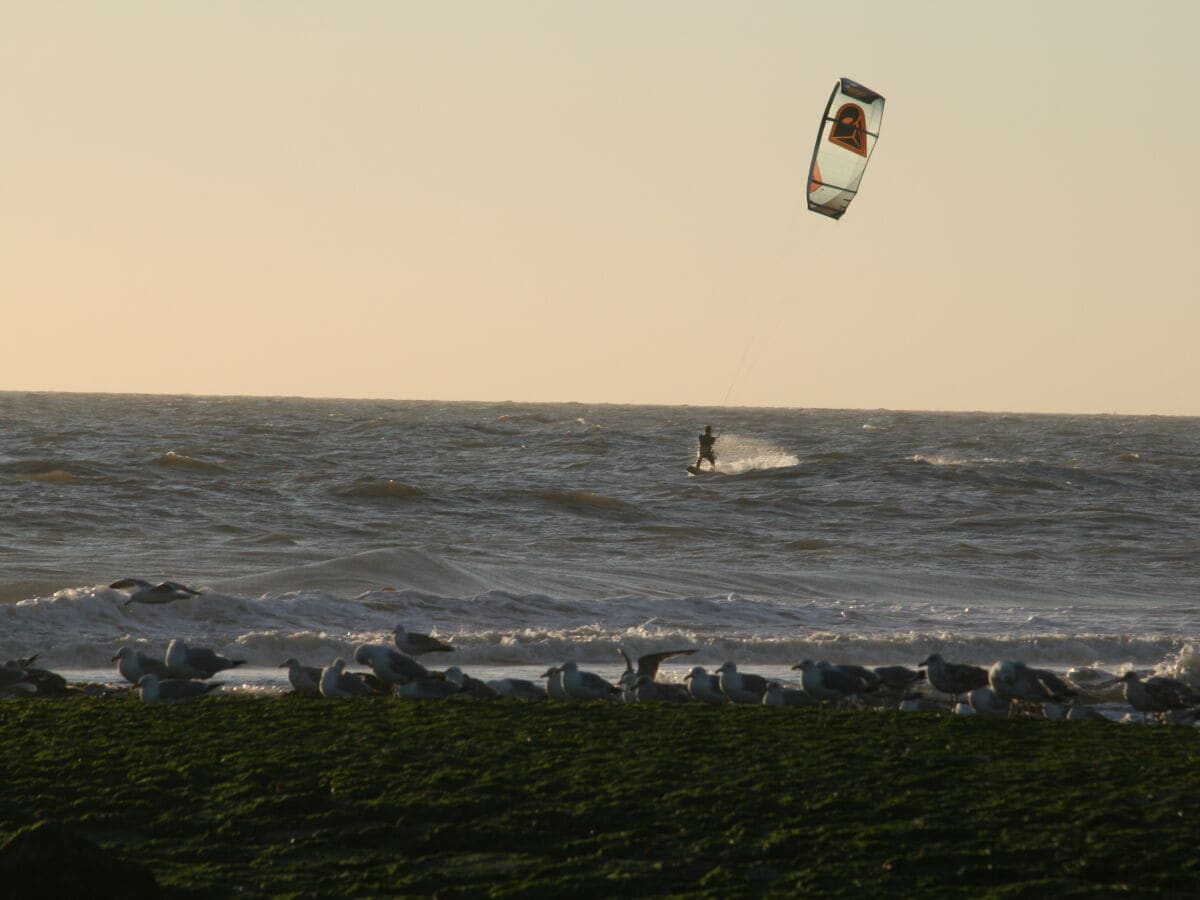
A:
(706, 447)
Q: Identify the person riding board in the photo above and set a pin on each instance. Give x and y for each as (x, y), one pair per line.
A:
(706, 447)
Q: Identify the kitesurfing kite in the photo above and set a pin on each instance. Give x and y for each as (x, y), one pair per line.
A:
(849, 129)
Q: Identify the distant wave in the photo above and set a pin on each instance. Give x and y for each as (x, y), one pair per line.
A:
(182, 461)
(82, 627)
(379, 489)
(585, 501)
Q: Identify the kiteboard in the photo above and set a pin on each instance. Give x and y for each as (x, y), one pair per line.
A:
(693, 470)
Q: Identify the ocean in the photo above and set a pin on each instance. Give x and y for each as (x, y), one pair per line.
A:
(529, 534)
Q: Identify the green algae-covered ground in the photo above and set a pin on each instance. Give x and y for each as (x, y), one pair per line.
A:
(242, 796)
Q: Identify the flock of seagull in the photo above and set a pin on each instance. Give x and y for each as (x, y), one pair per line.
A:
(1006, 688)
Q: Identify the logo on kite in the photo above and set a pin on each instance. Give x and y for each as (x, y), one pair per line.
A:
(850, 129)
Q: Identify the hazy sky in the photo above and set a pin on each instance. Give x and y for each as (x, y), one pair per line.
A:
(602, 201)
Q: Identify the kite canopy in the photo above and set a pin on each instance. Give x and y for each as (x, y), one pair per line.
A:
(849, 129)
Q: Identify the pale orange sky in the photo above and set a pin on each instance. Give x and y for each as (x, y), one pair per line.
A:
(601, 202)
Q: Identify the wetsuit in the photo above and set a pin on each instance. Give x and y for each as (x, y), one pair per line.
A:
(706, 449)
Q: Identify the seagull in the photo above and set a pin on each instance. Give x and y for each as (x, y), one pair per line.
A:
(778, 695)
(336, 683)
(739, 687)
(133, 664)
(554, 683)
(172, 690)
(305, 680)
(1157, 694)
(428, 689)
(1083, 711)
(471, 687)
(390, 665)
(19, 662)
(953, 678)
(705, 686)
(585, 685)
(985, 702)
(898, 678)
(824, 682)
(646, 665)
(647, 690)
(10, 675)
(518, 689)
(416, 644)
(165, 592)
(1011, 680)
(866, 678)
(184, 662)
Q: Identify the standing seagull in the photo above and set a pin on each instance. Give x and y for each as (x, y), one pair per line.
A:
(740, 687)
(305, 680)
(1157, 694)
(166, 592)
(184, 662)
(953, 678)
(336, 683)
(646, 665)
(133, 664)
(172, 690)
(417, 644)
(825, 682)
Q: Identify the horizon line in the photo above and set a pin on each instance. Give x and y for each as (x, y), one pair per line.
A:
(724, 405)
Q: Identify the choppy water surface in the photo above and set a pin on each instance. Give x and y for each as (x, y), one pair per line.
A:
(530, 533)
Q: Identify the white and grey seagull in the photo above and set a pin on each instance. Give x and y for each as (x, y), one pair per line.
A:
(705, 686)
(336, 683)
(390, 665)
(199, 662)
(585, 685)
(173, 690)
(518, 688)
(305, 680)
(740, 687)
(145, 592)
(133, 664)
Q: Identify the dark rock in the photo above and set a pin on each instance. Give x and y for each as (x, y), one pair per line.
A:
(50, 860)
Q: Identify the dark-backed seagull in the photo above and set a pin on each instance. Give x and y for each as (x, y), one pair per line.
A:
(417, 644)
(470, 686)
(824, 682)
(953, 678)
(646, 665)
(1158, 694)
